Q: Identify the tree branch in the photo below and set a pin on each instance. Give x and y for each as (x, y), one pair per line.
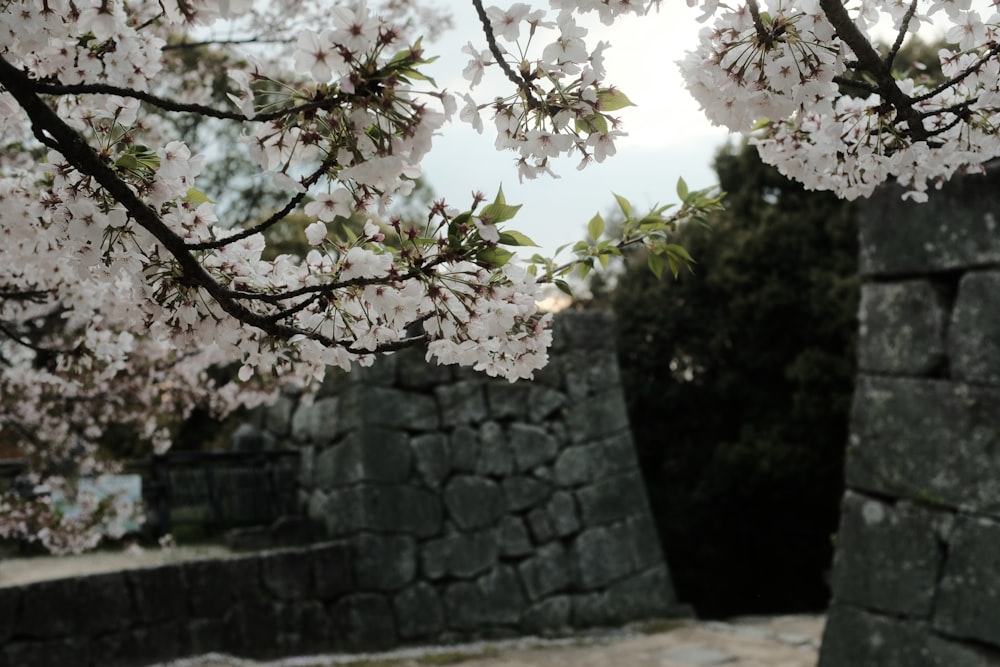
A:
(52, 131)
(515, 78)
(870, 61)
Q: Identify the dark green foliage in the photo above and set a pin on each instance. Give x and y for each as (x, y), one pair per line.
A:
(739, 380)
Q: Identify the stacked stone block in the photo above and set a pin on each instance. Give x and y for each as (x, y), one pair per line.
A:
(916, 578)
(456, 507)
(485, 508)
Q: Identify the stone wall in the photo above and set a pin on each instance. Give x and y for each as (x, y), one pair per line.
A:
(916, 578)
(455, 506)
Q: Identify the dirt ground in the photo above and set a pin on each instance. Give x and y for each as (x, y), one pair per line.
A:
(782, 641)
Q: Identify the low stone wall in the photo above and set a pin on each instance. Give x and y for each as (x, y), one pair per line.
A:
(457, 507)
(916, 579)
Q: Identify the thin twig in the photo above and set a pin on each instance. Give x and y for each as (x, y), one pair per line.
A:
(515, 78)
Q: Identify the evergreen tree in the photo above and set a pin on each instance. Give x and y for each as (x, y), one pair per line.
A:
(739, 378)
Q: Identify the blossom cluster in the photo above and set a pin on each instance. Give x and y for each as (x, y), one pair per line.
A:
(122, 283)
(561, 105)
(141, 247)
(826, 108)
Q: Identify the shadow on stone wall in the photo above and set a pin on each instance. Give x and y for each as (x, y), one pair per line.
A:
(917, 578)
(456, 507)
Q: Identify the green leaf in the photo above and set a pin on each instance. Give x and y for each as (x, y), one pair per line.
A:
(674, 266)
(563, 286)
(682, 189)
(655, 263)
(595, 227)
(511, 237)
(127, 161)
(499, 212)
(611, 99)
(680, 251)
(494, 257)
(593, 123)
(196, 197)
(624, 205)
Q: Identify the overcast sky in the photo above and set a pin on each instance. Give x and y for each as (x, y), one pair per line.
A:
(668, 136)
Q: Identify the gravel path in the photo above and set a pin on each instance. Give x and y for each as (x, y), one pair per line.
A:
(782, 641)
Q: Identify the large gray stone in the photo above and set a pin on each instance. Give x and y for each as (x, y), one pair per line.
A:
(433, 459)
(548, 616)
(597, 416)
(857, 638)
(503, 599)
(590, 610)
(103, 603)
(473, 502)
(974, 334)
(10, 602)
(612, 499)
(956, 228)
(968, 597)
(929, 440)
(614, 453)
(546, 572)
(645, 595)
(562, 512)
(367, 454)
(384, 562)
(493, 456)
(544, 403)
(316, 422)
(391, 508)
(531, 445)
(574, 466)
(888, 558)
(644, 541)
(508, 400)
(416, 373)
(464, 446)
(159, 594)
(250, 625)
(283, 575)
(419, 612)
(277, 416)
(522, 492)
(901, 327)
(362, 405)
(462, 555)
(463, 605)
(591, 372)
(462, 403)
(365, 621)
(214, 584)
(601, 556)
(512, 537)
(584, 330)
(53, 653)
(540, 524)
(332, 570)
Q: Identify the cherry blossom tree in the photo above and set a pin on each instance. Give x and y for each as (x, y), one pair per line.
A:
(124, 277)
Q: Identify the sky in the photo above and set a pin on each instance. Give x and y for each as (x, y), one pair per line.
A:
(668, 135)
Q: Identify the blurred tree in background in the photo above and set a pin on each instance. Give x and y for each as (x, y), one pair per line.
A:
(739, 379)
